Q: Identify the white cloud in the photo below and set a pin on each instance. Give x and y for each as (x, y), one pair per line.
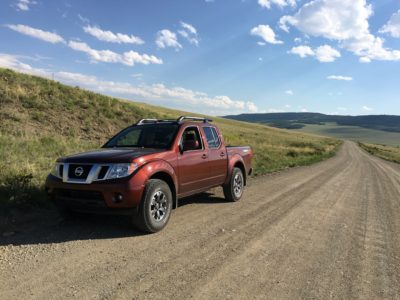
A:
(302, 51)
(266, 33)
(304, 110)
(167, 38)
(156, 93)
(324, 53)
(392, 27)
(24, 4)
(366, 108)
(297, 40)
(289, 92)
(37, 33)
(129, 58)
(189, 33)
(343, 21)
(340, 77)
(341, 108)
(112, 37)
(288, 106)
(280, 3)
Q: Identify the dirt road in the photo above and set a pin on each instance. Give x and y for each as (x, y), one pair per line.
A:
(331, 230)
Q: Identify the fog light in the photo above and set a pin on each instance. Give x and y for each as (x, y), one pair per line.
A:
(118, 198)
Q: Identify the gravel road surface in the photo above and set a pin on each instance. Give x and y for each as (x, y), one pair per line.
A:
(331, 230)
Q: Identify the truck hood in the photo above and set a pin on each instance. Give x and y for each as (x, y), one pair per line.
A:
(109, 155)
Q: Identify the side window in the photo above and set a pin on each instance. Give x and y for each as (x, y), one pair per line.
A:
(191, 139)
(212, 137)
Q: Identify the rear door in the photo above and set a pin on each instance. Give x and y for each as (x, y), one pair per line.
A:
(193, 165)
(217, 156)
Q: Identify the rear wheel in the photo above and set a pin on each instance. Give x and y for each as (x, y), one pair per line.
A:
(233, 191)
(155, 209)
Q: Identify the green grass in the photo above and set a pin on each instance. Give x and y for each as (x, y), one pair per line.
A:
(382, 151)
(41, 120)
(354, 133)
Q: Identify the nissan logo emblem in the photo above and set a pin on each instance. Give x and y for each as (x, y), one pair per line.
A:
(79, 171)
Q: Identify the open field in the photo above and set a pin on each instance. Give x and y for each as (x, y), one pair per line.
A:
(385, 152)
(353, 133)
(41, 120)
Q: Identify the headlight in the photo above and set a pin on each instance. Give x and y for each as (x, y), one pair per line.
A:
(121, 170)
(57, 170)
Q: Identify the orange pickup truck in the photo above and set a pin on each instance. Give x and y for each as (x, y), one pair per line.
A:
(146, 168)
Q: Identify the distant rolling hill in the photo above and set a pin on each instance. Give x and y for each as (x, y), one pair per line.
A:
(379, 129)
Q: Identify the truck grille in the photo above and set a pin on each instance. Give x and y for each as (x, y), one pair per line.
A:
(77, 171)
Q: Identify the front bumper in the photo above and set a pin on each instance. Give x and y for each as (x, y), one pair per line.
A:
(115, 195)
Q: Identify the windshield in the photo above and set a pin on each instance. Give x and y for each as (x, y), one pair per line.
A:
(145, 136)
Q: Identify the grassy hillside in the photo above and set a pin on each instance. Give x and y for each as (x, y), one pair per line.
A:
(385, 152)
(41, 120)
(355, 133)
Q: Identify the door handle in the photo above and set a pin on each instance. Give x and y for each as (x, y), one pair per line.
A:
(222, 154)
(204, 156)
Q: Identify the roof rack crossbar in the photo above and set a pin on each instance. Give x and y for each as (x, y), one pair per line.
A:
(182, 118)
(149, 121)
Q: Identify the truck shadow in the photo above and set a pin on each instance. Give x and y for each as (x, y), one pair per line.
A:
(50, 228)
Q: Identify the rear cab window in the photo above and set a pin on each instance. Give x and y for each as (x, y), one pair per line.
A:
(212, 137)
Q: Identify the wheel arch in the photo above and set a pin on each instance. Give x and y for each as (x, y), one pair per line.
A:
(167, 178)
(239, 164)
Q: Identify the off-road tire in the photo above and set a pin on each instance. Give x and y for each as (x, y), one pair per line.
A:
(155, 208)
(233, 191)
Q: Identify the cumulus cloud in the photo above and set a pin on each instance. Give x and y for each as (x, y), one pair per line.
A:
(324, 53)
(109, 36)
(280, 3)
(37, 33)
(340, 77)
(343, 21)
(129, 58)
(24, 5)
(367, 108)
(392, 27)
(157, 93)
(189, 32)
(166, 38)
(302, 51)
(266, 33)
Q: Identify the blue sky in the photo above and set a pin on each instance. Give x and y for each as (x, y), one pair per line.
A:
(216, 57)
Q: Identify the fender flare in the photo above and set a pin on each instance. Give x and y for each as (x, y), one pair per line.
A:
(234, 160)
(162, 167)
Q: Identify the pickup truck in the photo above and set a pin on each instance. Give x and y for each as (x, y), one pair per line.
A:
(146, 168)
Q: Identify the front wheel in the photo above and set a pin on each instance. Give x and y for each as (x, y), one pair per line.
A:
(233, 191)
(155, 209)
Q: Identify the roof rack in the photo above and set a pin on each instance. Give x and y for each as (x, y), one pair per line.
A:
(179, 120)
(152, 121)
(183, 118)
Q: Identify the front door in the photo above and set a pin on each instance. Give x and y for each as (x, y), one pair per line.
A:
(192, 162)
